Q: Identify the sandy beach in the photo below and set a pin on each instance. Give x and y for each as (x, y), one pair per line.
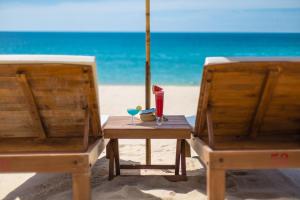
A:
(256, 184)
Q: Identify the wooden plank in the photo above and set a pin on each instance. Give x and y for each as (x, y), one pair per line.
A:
(41, 69)
(176, 178)
(95, 150)
(148, 151)
(173, 122)
(94, 95)
(51, 145)
(44, 162)
(87, 104)
(59, 82)
(32, 106)
(248, 102)
(119, 127)
(86, 129)
(108, 149)
(146, 126)
(264, 100)
(264, 142)
(90, 98)
(31, 145)
(44, 94)
(183, 160)
(253, 66)
(117, 156)
(187, 149)
(125, 121)
(177, 157)
(111, 160)
(171, 178)
(202, 149)
(147, 166)
(211, 140)
(146, 134)
(203, 103)
(54, 116)
(255, 159)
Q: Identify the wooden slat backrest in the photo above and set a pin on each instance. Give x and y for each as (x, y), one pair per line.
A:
(47, 96)
(257, 96)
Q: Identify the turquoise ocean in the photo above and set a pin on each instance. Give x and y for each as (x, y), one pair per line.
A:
(176, 58)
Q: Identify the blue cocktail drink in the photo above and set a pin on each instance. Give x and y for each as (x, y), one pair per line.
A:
(132, 112)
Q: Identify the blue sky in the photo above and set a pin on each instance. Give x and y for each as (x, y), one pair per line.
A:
(166, 15)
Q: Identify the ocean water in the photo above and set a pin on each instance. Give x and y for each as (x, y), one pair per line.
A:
(176, 58)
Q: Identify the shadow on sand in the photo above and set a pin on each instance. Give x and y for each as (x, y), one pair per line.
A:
(256, 184)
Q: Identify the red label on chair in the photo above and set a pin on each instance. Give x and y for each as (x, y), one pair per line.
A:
(279, 155)
(280, 158)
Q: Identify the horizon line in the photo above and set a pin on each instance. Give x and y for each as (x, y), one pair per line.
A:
(62, 31)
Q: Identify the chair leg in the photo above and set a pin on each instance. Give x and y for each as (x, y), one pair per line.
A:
(215, 184)
(81, 186)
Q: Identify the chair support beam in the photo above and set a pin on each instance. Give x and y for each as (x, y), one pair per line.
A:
(89, 98)
(204, 103)
(211, 139)
(264, 101)
(31, 104)
(86, 130)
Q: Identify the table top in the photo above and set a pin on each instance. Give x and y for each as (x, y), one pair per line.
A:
(120, 127)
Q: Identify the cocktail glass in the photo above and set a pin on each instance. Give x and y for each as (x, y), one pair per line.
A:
(132, 112)
(159, 101)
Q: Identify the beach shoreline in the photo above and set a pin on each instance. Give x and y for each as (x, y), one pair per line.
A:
(179, 100)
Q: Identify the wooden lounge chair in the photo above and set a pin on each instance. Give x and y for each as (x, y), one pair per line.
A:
(49, 117)
(248, 117)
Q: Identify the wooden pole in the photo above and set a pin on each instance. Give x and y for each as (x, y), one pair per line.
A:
(148, 77)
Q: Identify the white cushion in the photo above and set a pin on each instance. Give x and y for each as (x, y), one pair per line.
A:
(85, 60)
(220, 60)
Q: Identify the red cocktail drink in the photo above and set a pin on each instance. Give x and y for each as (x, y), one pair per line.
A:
(159, 101)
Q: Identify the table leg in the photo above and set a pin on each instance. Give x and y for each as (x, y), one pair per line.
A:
(110, 151)
(177, 159)
(183, 160)
(107, 149)
(148, 151)
(187, 149)
(117, 156)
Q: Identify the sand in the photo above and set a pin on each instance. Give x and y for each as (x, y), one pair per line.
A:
(256, 184)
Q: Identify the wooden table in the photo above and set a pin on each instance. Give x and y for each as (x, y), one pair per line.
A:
(119, 127)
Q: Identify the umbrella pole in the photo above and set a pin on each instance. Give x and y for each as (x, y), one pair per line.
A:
(148, 77)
